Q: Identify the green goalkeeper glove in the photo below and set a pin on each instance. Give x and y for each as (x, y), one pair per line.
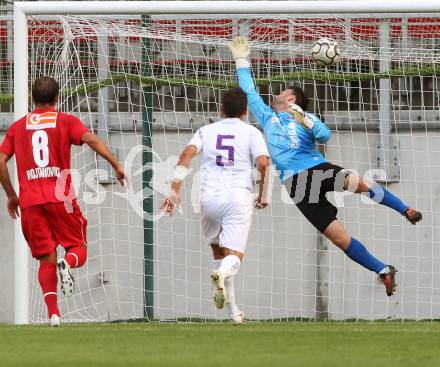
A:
(300, 117)
(240, 51)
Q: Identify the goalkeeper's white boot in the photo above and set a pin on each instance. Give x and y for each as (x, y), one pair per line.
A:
(237, 319)
(55, 321)
(218, 283)
(66, 278)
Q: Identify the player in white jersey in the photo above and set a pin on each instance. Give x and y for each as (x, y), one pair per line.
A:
(228, 148)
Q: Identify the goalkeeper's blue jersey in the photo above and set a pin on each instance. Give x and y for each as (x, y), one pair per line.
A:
(291, 146)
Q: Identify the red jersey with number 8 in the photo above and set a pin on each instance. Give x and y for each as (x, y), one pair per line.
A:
(41, 142)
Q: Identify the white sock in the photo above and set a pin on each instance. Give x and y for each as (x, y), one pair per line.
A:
(230, 302)
(216, 264)
(229, 266)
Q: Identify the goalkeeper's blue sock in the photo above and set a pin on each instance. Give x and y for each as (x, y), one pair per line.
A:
(382, 196)
(359, 253)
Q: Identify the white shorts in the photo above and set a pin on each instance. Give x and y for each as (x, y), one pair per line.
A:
(227, 218)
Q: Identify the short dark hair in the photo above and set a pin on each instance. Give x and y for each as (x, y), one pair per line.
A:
(234, 102)
(45, 90)
(301, 98)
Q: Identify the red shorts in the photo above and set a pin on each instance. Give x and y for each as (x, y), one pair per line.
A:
(48, 225)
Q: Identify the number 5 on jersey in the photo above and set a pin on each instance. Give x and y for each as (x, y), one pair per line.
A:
(229, 148)
(40, 142)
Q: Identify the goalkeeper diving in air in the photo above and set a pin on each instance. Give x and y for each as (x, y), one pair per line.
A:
(291, 134)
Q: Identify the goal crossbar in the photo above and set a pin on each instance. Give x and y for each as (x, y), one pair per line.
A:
(225, 7)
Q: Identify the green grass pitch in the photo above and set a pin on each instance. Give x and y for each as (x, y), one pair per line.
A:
(383, 344)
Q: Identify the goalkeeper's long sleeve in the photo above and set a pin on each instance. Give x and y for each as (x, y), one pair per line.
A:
(320, 131)
(261, 111)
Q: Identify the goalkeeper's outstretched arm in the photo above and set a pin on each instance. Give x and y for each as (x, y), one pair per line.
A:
(240, 52)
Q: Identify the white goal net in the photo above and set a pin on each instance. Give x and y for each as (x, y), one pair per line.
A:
(145, 84)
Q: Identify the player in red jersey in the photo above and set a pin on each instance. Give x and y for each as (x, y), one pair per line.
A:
(50, 215)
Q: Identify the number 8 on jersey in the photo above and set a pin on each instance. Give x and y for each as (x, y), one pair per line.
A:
(40, 148)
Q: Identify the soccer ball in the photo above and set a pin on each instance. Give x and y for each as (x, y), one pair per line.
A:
(325, 52)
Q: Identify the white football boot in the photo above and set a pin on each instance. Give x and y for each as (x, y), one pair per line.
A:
(67, 281)
(219, 289)
(237, 319)
(55, 321)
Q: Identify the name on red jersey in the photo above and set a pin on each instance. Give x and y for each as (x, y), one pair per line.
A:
(37, 121)
(42, 172)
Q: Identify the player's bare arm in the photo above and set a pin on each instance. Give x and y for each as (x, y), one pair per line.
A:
(173, 199)
(263, 164)
(98, 146)
(7, 186)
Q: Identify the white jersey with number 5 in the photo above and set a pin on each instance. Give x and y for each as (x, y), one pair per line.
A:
(228, 147)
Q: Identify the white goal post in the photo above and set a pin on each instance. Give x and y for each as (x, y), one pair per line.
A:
(96, 8)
